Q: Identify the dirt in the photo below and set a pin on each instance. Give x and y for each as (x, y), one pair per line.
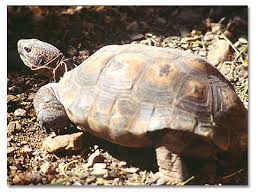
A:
(80, 31)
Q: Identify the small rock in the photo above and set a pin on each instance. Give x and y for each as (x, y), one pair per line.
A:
(26, 150)
(10, 150)
(99, 172)
(100, 181)
(99, 166)
(219, 52)
(31, 97)
(20, 112)
(116, 179)
(188, 39)
(21, 179)
(18, 126)
(76, 183)
(185, 45)
(130, 170)
(194, 32)
(172, 38)
(224, 69)
(11, 98)
(14, 127)
(122, 164)
(69, 142)
(23, 142)
(13, 168)
(95, 157)
(202, 53)
(242, 40)
(46, 168)
(11, 127)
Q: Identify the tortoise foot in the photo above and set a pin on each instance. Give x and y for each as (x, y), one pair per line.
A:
(172, 169)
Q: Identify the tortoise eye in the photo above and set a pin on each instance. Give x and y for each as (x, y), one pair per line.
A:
(27, 49)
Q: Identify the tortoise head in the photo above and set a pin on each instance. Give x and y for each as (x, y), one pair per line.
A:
(44, 58)
(35, 53)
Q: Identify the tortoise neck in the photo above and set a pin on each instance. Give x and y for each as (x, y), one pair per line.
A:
(57, 67)
(63, 65)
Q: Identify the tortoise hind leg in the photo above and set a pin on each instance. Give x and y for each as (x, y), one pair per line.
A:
(172, 168)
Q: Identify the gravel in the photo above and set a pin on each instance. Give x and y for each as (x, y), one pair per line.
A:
(80, 31)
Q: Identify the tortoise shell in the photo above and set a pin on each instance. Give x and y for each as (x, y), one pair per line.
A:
(126, 93)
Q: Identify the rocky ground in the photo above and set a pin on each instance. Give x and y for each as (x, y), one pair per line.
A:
(217, 34)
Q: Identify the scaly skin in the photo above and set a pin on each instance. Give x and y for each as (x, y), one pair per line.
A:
(44, 58)
(48, 61)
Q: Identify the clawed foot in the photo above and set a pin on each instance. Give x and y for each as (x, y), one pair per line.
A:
(44, 127)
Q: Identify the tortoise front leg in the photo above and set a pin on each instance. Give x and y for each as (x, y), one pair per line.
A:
(50, 112)
(172, 168)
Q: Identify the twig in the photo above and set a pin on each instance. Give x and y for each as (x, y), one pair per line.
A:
(239, 54)
(233, 174)
(65, 167)
(235, 49)
(185, 182)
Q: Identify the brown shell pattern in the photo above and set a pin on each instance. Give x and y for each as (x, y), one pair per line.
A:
(121, 93)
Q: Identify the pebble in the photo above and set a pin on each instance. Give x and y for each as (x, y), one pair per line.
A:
(10, 150)
(20, 179)
(24, 142)
(99, 172)
(194, 32)
(172, 38)
(202, 53)
(69, 142)
(100, 181)
(95, 157)
(122, 164)
(11, 127)
(185, 45)
(219, 52)
(11, 98)
(242, 40)
(224, 69)
(14, 127)
(99, 166)
(130, 170)
(20, 112)
(76, 183)
(26, 150)
(13, 168)
(46, 168)
(188, 39)
(31, 96)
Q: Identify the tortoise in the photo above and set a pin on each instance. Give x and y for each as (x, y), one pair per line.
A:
(136, 95)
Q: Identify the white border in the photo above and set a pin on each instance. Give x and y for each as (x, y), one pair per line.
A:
(253, 98)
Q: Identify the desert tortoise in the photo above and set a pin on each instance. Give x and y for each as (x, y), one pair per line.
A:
(142, 96)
